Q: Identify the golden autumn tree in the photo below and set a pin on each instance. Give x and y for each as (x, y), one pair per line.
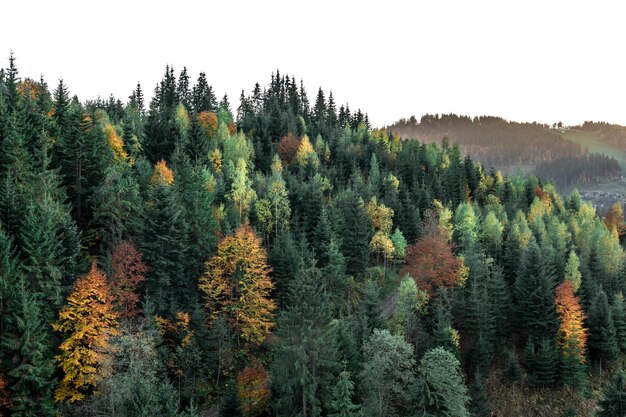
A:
(237, 284)
(162, 174)
(253, 389)
(572, 332)
(128, 272)
(615, 219)
(116, 143)
(86, 322)
(208, 122)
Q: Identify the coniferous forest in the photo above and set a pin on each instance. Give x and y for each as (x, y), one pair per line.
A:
(175, 256)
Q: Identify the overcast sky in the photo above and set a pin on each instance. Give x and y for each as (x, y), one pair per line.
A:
(525, 60)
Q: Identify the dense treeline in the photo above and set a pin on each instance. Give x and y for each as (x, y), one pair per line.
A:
(569, 171)
(286, 261)
(492, 140)
(611, 134)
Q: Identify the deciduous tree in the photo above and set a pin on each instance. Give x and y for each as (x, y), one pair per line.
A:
(237, 284)
(87, 322)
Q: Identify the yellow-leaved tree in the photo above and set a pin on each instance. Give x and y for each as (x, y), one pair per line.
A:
(236, 284)
(86, 323)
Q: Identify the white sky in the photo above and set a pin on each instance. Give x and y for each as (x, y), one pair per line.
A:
(523, 60)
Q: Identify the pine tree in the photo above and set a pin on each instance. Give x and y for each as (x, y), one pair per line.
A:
(619, 319)
(305, 354)
(442, 389)
(342, 405)
(87, 322)
(26, 347)
(533, 292)
(479, 400)
(602, 341)
(164, 246)
(355, 232)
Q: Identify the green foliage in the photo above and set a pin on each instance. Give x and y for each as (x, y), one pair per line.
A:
(442, 390)
(387, 378)
(534, 293)
(614, 402)
(602, 341)
(342, 405)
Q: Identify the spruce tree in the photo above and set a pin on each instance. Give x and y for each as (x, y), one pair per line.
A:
(479, 400)
(533, 293)
(602, 341)
(26, 344)
(619, 319)
(355, 232)
(304, 357)
(342, 405)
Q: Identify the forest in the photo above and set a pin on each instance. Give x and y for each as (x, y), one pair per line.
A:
(611, 134)
(503, 144)
(182, 258)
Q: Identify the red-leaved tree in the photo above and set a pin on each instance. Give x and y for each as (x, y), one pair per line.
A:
(128, 272)
(431, 262)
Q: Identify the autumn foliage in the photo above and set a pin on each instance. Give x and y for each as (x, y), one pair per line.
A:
(615, 219)
(253, 389)
(162, 175)
(237, 284)
(431, 262)
(115, 143)
(288, 148)
(5, 400)
(128, 272)
(572, 317)
(208, 122)
(87, 322)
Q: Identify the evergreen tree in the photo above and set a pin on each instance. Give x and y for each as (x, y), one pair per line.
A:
(304, 356)
(27, 351)
(163, 244)
(387, 378)
(355, 232)
(602, 338)
(533, 291)
(614, 402)
(479, 401)
(619, 319)
(342, 405)
(442, 389)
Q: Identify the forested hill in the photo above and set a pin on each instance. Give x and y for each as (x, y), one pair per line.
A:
(176, 258)
(611, 134)
(492, 140)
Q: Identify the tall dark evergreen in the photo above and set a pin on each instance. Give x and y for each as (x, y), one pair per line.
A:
(533, 293)
(304, 365)
(602, 341)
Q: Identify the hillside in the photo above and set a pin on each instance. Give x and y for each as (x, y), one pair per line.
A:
(177, 258)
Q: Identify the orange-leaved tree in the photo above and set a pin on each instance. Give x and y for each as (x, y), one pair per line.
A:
(162, 175)
(288, 148)
(431, 262)
(572, 333)
(208, 122)
(253, 389)
(237, 284)
(128, 272)
(86, 322)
